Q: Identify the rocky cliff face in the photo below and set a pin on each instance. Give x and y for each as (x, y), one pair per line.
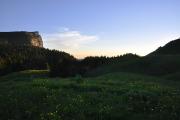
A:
(21, 38)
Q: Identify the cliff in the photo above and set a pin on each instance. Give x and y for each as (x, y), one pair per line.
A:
(21, 38)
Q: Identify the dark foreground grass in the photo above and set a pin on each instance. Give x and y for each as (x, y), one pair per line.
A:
(31, 95)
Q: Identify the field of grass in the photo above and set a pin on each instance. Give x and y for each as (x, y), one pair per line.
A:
(32, 95)
(174, 76)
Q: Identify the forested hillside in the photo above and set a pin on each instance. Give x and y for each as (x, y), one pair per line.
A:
(165, 60)
(17, 58)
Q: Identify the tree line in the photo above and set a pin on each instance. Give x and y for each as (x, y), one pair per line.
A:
(17, 58)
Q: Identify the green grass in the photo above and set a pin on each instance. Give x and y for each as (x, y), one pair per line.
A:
(173, 76)
(32, 95)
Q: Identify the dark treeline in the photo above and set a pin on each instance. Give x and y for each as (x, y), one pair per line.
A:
(67, 67)
(165, 61)
(91, 63)
(17, 58)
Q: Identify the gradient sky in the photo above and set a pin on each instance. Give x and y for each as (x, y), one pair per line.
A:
(95, 27)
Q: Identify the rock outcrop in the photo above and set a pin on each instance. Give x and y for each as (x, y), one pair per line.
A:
(21, 38)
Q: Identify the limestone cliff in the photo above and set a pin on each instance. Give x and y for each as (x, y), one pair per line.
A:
(21, 38)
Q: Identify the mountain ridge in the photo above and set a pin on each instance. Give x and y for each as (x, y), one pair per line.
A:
(172, 47)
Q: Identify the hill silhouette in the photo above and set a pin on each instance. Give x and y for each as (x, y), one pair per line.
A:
(171, 48)
(165, 61)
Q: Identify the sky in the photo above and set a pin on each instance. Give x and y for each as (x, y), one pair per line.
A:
(95, 27)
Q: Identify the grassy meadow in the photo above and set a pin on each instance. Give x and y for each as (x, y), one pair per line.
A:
(32, 95)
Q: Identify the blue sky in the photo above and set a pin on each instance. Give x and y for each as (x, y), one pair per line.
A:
(95, 27)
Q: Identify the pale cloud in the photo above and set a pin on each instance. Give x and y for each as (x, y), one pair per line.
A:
(67, 40)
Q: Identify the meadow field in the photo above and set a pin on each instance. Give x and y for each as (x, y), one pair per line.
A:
(32, 95)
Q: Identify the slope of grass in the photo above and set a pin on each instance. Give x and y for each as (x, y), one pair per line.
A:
(174, 76)
(109, 97)
(25, 75)
(151, 65)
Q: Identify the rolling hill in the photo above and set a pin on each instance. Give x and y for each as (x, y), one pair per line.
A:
(164, 61)
(171, 48)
